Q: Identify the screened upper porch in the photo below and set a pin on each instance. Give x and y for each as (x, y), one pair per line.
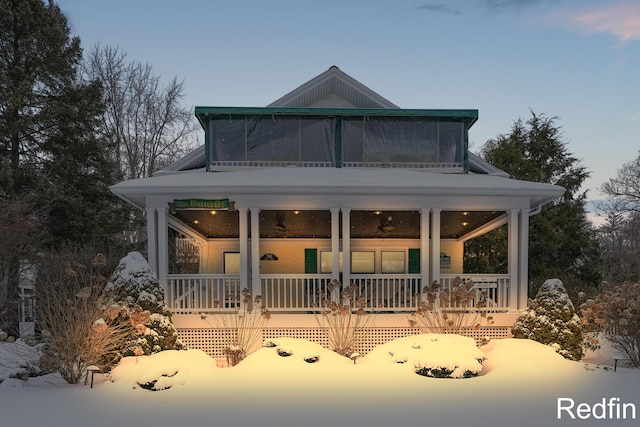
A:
(336, 137)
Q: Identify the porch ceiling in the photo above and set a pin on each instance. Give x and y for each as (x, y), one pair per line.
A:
(317, 223)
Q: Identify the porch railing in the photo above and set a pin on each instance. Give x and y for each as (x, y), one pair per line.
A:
(197, 293)
(495, 286)
(384, 292)
(194, 293)
(293, 292)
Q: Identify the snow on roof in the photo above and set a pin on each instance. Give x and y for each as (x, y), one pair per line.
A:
(196, 159)
(335, 181)
(479, 165)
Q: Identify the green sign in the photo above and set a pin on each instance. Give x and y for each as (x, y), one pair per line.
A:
(201, 204)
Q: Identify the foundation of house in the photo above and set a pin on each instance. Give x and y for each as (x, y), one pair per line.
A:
(204, 333)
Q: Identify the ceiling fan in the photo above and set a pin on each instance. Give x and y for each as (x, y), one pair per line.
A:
(385, 224)
(280, 226)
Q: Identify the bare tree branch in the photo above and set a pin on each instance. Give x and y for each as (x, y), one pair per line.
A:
(145, 121)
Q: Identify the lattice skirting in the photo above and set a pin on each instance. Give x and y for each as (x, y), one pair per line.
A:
(214, 341)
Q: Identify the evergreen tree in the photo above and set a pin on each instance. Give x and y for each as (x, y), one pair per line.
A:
(561, 241)
(49, 154)
(552, 319)
(134, 285)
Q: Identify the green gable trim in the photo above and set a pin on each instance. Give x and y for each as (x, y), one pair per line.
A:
(468, 116)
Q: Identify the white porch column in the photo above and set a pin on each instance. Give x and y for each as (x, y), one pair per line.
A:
(512, 261)
(435, 245)
(335, 243)
(152, 239)
(346, 246)
(256, 288)
(523, 255)
(163, 249)
(424, 248)
(244, 247)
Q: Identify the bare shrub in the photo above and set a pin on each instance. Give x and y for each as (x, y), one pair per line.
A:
(616, 314)
(344, 319)
(453, 310)
(77, 328)
(244, 324)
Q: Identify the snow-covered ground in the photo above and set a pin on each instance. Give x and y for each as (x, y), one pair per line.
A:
(520, 385)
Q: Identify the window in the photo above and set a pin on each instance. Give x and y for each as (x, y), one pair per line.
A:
(326, 262)
(323, 137)
(393, 262)
(231, 263)
(363, 262)
(272, 138)
(399, 139)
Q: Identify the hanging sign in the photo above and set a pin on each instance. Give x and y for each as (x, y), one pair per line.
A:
(202, 204)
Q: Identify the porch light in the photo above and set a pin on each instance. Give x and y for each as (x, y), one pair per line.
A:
(213, 212)
(377, 212)
(465, 223)
(196, 222)
(296, 212)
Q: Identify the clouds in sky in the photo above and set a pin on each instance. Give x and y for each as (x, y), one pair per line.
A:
(620, 20)
(449, 9)
(458, 7)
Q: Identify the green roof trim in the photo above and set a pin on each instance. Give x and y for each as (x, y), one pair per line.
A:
(469, 116)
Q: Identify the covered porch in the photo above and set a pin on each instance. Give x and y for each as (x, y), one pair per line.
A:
(286, 233)
(296, 254)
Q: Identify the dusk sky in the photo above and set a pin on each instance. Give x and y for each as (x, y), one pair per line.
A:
(578, 60)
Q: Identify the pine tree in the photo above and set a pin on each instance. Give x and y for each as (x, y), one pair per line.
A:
(552, 319)
(135, 285)
(50, 158)
(561, 241)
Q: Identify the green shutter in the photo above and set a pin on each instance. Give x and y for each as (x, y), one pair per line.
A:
(310, 261)
(414, 268)
(414, 261)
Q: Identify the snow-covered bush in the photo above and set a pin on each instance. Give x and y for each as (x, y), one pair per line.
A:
(432, 355)
(552, 319)
(296, 349)
(616, 314)
(164, 370)
(134, 285)
(20, 359)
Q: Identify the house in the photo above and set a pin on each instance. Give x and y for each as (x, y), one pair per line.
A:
(331, 181)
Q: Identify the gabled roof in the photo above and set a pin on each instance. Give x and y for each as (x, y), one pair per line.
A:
(330, 89)
(333, 88)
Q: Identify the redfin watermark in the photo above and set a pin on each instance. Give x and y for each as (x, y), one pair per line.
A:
(611, 408)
